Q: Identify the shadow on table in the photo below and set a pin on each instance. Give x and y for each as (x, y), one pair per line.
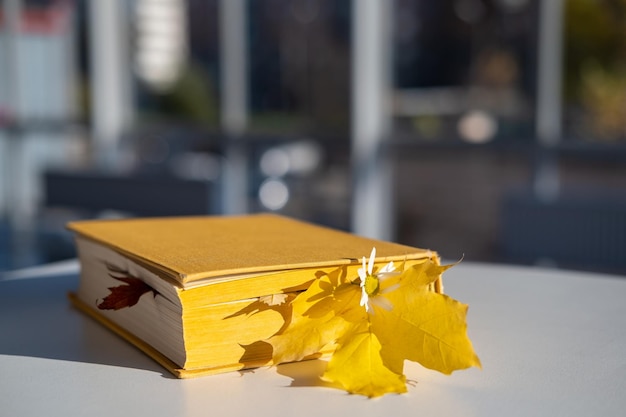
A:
(306, 373)
(37, 320)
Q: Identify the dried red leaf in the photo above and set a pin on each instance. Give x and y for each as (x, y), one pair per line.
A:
(125, 295)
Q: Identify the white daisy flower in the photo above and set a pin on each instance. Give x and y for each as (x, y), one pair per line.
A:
(370, 283)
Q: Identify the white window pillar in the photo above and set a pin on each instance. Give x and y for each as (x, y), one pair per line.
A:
(549, 97)
(111, 86)
(372, 204)
(233, 24)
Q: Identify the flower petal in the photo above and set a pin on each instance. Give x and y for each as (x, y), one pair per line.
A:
(382, 302)
(387, 268)
(364, 299)
(362, 275)
(390, 288)
(370, 265)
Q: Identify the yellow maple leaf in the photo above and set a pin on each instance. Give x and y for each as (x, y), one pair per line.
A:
(424, 326)
(358, 366)
(375, 328)
(320, 316)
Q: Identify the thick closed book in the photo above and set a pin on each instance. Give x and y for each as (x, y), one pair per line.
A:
(201, 294)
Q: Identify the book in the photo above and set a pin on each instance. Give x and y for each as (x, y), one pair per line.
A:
(200, 294)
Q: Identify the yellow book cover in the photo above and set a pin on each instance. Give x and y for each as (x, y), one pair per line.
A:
(197, 293)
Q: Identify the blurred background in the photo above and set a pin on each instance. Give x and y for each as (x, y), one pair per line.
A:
(489, 129)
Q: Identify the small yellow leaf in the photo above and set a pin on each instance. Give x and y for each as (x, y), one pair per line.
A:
(358, 367)
(274, 299)
(321, 314)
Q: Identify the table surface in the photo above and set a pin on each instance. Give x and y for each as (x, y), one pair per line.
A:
(551, 343)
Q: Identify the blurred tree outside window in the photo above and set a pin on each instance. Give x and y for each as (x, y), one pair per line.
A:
(175, 51)
(300, 66)
(465, 69)
(595, 70)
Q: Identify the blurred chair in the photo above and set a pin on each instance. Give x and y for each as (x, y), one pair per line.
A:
(141, 195)
(72, 195)
(582, 230)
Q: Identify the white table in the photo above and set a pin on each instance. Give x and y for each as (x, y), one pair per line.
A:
(552, 343)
